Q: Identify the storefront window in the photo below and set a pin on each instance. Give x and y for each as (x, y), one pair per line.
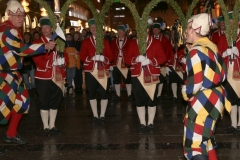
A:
(34, 22)
(78, 11)
(27, 24)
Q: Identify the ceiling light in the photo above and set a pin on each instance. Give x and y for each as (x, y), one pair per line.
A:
(24, 3)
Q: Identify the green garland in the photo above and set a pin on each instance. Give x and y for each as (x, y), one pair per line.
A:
(226, 20)
(51, 14)
(60, 43)
(141, 24)
(235, 20)
(189, 13)
(99, 18)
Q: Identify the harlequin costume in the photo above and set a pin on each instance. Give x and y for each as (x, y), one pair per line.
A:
(204, 93)
(232, 60)
(121, 72)
(14, 99)
(49, 77)
(96, 73)
(143, 69)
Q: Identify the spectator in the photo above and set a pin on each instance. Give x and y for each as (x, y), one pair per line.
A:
(36, 35)
(78, 79)
(72, 61)
(28, 69)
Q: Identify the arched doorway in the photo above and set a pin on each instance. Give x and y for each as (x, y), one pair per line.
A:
(34, 23)
(27, 24)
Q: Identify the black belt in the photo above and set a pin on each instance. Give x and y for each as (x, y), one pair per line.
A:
(7, 71)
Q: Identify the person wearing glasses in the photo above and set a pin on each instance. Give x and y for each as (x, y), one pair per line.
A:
(14, 97)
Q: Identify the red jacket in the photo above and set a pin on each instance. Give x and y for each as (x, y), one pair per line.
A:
(223, 46)
(88, 50)
(154, 52)
(180, 55)
(115, 49)
(216, 36)
(168, 49)
(44, 62)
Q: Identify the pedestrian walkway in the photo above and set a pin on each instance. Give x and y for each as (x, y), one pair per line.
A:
(118, 139)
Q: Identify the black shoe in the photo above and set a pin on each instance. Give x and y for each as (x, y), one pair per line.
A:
(2, 151)
(237, 131)
(17, 139)
(102, 120)
(151, 128)
(159, 99)
(174, 100)
(230, 130)
(55, 131)
(142, 129)
(95, 120)
(130, 97)
(117, 98)
(47, 132)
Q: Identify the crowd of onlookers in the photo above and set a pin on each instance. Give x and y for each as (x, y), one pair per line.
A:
(74, 67)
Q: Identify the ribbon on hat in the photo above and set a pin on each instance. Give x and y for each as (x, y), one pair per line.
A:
(126, 27)
(163, 25)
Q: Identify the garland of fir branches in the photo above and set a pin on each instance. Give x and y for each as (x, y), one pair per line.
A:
(141, 23)
(99, 18)
(51, 14)
(60, 43)
(226, 20)
(189, 13)
(235, 20)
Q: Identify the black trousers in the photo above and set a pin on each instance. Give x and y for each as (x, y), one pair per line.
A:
(50, 94)
(93, 86)
(231, 95)
(78, 78)
(174, 77)
(162, 79)
(141, 96)
(117, 76)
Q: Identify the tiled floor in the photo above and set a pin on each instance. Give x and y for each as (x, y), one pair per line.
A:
(118, 139)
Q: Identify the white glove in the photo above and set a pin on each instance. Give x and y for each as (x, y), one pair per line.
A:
(55, 62)
(111, 68)
(59, 61)
(183, 60)
(226, 53)
(62, 61)
(101, 58)
(96, 57)
(146, 62)
(140, 58)
(235, 51)
(168, 70)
